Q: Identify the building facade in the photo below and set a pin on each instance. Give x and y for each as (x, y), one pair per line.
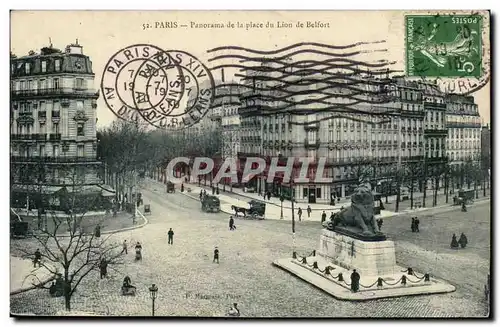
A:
(53, 127)
(412, 128)
(464, 129)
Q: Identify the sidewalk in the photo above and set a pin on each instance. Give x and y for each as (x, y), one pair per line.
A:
(108, 223)
(23, 277)
(273, 211)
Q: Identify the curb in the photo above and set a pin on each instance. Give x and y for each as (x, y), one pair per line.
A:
(146, 221)
(32, 287)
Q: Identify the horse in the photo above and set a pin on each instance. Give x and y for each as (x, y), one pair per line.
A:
(239, 209)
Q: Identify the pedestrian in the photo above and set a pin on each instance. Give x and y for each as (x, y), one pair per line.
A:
(332, 216)
(204, 192)
(379, 223)
(231, 223)
(213, 190)
(309, 211)
(216, 255)
(454, 243)
(98, 231)
(103, 266)
(125, 247)
(299, 212)
(234, 311)
(323, 216)
(462, 240)
(171, 236)
(417, 222)
(182, 187)
(38, 258)
(201, 194)
(413, 225)
(354, 281)
(268, 196)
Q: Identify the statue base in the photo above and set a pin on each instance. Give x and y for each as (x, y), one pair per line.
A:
(369, 258)
(372, 260)
(354, 234)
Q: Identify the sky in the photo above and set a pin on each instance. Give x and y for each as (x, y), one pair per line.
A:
(103, 33)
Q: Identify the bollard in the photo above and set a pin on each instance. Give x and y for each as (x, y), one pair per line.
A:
(304, 260)
(327, 270)
(314, 253)
(410, 271)
(403, 280)
(341, 278)
(294, 255)
(379, 282)
(315, 265)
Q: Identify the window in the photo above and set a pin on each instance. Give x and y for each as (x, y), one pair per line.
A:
(80, 84)
(55, 150)
(79, 105)
(44, 66)
(80, 129)
(305, 192)
(318, 193)
(42, 150)
(42, 128)
(311, 135)
(57, 65)
(30, 85)
(57, 105)
(22, 85)
(56, 83)
(80, 149)
(42, 84)
(27, 67)
(55, 128)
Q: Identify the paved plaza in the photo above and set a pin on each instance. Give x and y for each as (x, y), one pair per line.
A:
(190, 284)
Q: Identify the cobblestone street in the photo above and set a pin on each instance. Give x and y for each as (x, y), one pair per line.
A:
(191, 285)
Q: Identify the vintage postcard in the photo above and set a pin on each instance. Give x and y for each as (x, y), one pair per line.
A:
(248, 164)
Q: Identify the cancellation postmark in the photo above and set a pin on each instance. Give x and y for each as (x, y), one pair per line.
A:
(168, 89)
(449, 50)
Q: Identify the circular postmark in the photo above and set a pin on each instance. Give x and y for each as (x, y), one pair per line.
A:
(168, 89)
(197, 96)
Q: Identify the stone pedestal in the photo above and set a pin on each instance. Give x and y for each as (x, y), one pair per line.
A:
(375, 259)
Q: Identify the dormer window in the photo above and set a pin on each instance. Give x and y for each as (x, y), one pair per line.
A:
(27, 67)
(44, 66)
(57, 64)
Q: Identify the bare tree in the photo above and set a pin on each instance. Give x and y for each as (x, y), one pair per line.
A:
(68, 248)
(412, 174)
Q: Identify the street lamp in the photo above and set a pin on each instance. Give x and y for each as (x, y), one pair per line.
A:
(281, 199)
(152, 291)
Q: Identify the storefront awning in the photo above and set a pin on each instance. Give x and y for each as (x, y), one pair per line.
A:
(44, 189)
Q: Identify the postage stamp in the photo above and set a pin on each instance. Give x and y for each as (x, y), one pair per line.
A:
(443, 45)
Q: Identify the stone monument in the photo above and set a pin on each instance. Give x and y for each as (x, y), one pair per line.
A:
(353, 240)
(350, 241)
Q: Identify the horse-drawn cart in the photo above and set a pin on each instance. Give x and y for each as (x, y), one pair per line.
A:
(257, 210)
(464, 196)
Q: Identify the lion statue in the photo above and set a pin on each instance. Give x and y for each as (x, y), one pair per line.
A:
(359, 217)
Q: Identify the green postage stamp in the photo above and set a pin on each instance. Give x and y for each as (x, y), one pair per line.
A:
(443, 46)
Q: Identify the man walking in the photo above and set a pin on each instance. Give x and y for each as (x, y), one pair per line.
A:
(171, 236)
(231, 223)
(309, 211)
(299, 212)
(216, 255)
(38, 258)
(323, 216)
(417, 222)
(124, 249)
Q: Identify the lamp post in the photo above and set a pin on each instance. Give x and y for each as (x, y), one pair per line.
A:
(281, 199)
(152, 291)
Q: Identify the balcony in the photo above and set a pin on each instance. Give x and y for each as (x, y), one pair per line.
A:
(42, 115)
(434, 106)
(308, 144)
(37, 159)
(436, 132)
(55, 137)
(311, 126)
(56, 115)
(55, 92)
